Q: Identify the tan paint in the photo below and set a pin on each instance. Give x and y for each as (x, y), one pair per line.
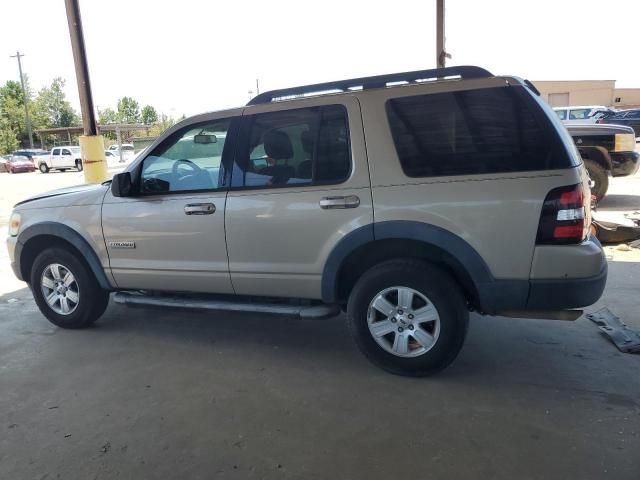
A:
(279, 239)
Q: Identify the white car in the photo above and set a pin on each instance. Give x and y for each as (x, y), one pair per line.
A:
(581, 114)
(61, 158)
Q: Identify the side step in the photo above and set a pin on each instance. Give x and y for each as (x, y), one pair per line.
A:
(307, 312)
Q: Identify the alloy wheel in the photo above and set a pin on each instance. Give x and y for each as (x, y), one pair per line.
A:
(403, 321)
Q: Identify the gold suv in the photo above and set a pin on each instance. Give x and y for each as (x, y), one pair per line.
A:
(406, 200)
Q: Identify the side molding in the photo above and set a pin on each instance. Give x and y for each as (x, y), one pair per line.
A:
(69, 235)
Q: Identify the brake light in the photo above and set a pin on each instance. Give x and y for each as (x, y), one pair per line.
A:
(563, 219)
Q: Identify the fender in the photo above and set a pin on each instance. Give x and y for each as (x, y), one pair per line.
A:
(493, 294)
(68, 235)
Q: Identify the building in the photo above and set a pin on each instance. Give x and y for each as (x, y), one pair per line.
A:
(564, 93)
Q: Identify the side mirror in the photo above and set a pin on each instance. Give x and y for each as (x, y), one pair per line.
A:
(121, 185)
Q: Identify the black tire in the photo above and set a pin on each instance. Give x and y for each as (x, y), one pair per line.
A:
(44, 168)
(428, 280)
(79, 165)
(599, 178)
(92, 300)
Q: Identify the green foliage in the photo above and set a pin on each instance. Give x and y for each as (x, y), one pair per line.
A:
(161, 125)
(52, 109)
(128, 110)
(8, 139)
(149, 115)
(107, 116)
(12, 105)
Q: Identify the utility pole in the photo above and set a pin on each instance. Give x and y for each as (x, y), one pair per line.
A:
(91, 144)
(19, 55)
(257, 86)
(441, 53)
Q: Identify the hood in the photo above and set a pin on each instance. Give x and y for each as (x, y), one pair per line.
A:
(597, 129)
(22, 163)
(77, 195)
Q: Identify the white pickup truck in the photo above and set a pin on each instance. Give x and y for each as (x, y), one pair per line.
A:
(61, 158)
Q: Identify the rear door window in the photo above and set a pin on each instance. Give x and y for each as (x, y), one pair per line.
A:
(304, 146)
(562, 114)
(491, 130)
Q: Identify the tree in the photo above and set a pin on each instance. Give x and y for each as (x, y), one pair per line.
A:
(8, 139)
(52, 109)
(149, 115)
(12, 115)
(106, 116)
(128, 110)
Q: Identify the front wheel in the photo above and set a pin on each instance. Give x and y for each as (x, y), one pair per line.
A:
(408, 317)
(79, 165)
(65, 290)
(44, 168)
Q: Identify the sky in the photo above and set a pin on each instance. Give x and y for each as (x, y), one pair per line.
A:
(193, 56)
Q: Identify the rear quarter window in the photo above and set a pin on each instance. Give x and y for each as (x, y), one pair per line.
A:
(492, 130)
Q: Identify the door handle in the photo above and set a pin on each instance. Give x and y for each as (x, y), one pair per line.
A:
(330, 203)
(199, 209)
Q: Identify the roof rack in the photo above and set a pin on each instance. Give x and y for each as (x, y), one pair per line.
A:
(365, 83)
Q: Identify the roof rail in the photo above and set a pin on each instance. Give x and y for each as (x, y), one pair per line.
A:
(365, 83)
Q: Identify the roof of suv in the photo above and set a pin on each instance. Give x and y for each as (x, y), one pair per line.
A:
(366, 83)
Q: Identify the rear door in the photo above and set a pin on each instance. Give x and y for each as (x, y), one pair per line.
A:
(66, 158)
(300, 183)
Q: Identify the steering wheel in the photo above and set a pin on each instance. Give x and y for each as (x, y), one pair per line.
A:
(196, 169)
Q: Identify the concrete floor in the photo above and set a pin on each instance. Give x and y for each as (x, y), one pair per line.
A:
(169, 394)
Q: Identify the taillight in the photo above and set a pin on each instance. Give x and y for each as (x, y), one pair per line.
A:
(563, 218)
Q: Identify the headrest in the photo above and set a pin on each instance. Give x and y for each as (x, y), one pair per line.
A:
(307, 141)
(277, 145)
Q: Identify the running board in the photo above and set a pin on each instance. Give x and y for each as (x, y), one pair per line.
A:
(307, 312)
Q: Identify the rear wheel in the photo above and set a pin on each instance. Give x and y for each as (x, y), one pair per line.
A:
(44, 168)
(408, 317)
(65, 290)
(79, 165)
(599, 178)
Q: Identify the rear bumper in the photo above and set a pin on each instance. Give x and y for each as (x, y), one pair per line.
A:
(562, 277)
(566, 293)
(624, 163)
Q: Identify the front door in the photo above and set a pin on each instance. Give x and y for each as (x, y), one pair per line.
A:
(171, 235)
(55, 158)
(300, 183)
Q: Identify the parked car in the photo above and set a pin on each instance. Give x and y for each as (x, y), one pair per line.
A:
(61, 158)
(128, 151)
(606, 150)
(583, 114)
(19, 164)
(34, 154)
(464, 195)
(630, 118)
(125, 147)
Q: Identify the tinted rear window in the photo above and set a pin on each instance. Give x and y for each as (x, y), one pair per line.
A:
(492, 130)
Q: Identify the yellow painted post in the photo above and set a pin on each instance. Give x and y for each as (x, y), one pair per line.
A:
(94, 161)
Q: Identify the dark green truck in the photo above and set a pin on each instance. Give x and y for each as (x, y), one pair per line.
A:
(605, 149)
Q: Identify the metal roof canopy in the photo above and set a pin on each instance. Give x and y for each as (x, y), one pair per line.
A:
(127, 127)
(365, 83)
